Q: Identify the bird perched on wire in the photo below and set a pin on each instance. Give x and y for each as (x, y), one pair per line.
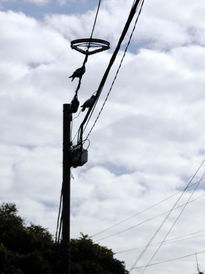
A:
(74, 104)
(89, 103)
(78, 73)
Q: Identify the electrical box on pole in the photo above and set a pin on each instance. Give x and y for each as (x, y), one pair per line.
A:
(79, 156)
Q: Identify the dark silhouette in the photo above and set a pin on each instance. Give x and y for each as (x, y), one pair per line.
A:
(31, 250)
(74, 104)
(197, 264)
(89, 102)
(78, 73)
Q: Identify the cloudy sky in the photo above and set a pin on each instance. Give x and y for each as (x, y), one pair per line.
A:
(147, 144)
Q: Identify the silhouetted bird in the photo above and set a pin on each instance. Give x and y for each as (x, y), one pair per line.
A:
(74, 104)
(78, 73)
(89, 102)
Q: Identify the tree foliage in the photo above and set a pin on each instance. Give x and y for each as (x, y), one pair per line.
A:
(89, 258)
(31, 249)
(23, 249)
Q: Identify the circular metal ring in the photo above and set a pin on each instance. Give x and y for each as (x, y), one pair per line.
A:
(90, 46)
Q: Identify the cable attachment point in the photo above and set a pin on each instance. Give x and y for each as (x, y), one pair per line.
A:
(79, 155)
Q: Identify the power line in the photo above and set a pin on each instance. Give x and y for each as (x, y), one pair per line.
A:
(137, 213)
(88, 47)
(96, 16)
(170, 260)
(117, 72)
(112, 59)
(132, 216)
(176, 220)
(167, 216)
(197, 234)
(58, 228)
(144, 221)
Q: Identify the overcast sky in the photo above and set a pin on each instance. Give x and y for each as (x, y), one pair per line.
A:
(148, 142)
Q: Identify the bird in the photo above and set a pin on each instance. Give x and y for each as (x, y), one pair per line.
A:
(78, 73)
(74, 104)
(89, 102)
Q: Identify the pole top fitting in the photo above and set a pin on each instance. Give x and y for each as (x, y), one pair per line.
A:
(90, 46)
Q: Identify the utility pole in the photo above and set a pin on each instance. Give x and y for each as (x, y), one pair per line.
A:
(73, 155)
(67, 119)
(76, 155)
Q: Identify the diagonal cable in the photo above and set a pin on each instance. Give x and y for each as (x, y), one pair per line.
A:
(111, 62)
(145, 221)
(167, 216)
(196, 234)
(138, 213)
(174, 223)
(117, 72)
(172, 260)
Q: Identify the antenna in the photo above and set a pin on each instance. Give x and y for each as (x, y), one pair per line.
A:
(197, 264)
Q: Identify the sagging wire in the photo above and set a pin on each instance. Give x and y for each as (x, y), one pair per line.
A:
(167, 216)
(96, 16)
(58, 228)
(113, 80)
(137, 213)
(197, 264)
(171, 260)
(77, 115)
(111, 62)
(117, 72)
(145, 221)
(197, 234)
(87, 140)
(72, 125)
(174, 223)
(88, 47)
(133, 216)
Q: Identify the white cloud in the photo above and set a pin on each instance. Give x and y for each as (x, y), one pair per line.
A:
(147, 143)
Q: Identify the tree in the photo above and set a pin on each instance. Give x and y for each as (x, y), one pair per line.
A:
(31, 249)
(23, 249)
(88, 257)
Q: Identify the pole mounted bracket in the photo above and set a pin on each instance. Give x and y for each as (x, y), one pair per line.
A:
(79, 156)
(90, 46)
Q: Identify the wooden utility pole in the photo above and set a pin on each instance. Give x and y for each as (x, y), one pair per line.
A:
(67, 119)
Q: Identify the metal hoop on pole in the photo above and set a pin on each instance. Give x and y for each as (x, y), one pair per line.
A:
(90, 46)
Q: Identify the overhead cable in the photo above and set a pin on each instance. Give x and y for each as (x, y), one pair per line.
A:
(117, 72)
(137, 214)
(58, 228)
(96, 16)
(86, 55)
(167, 216)
(193, 235)
(171, 260)
(174, 223)
(144, 221)
(134, 215)
(111, 62)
